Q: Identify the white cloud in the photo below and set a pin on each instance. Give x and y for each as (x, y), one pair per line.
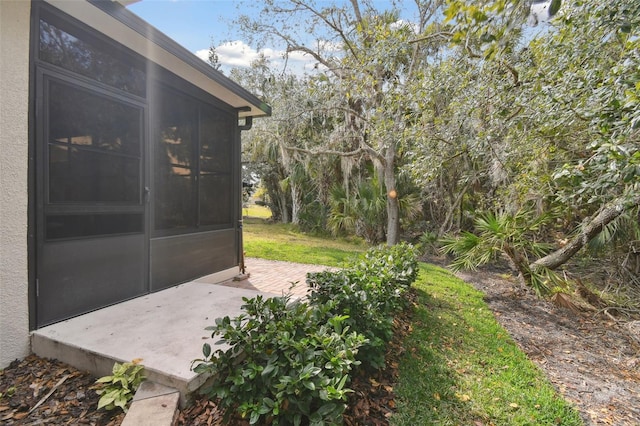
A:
(233, 54)
(299, 63)
(239, 54)
(539, 12)
(401, 23)
(203, 54)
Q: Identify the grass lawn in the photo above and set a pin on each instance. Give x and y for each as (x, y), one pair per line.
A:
(277, 241)
(256, 211)
(460, 366)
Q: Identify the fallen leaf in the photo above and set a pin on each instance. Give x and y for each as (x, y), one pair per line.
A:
(20, 416)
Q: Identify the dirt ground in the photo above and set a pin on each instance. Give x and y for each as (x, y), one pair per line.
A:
(37, 391)
(592, 359)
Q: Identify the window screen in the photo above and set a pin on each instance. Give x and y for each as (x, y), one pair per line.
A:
(94, 147)
(90, 57)
(194, 164)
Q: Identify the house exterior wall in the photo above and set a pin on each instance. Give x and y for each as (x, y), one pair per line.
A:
(20, 132)
(14, 137)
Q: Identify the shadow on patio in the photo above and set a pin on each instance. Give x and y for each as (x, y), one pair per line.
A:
(165, 329)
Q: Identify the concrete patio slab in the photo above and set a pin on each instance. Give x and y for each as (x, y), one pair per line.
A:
(153, 405)
(165, 329)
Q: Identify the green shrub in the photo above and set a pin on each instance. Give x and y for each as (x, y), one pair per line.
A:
(396, 265)
(369, 291)
(289, 363)
(118, 389)
(351, 294)
(295, 363)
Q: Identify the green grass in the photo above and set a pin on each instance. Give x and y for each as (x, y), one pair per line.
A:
(277, 241)
(460, 366)
(254, 210)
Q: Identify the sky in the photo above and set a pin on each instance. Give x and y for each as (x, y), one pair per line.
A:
(196, 24)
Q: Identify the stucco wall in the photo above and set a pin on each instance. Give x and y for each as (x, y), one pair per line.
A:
(14, 107)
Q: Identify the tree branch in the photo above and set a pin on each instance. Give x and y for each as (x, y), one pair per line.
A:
(363, 149)
(607, 215)
(356, 10)
(513, 71)
(515, 113)
(332, 25)
(443, 34)
(326, 151)
(316, 56)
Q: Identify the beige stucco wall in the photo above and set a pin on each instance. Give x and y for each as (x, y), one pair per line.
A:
(14, 107)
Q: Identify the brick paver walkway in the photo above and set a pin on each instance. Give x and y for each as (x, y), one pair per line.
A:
(276, 277)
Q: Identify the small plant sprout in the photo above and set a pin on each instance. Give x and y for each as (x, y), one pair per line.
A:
(118, 389)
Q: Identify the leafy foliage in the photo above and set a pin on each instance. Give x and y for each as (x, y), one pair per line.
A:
(118, 389)
(513, 235)
(369, 291)
(477, 109)
(355, 108)
(288, 363)
(559, 119)
(362, 213)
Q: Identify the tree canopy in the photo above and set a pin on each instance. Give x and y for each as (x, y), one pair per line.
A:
(424, 125)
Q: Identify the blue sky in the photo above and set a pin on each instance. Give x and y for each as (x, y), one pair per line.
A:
(196, 23)
(192, 23)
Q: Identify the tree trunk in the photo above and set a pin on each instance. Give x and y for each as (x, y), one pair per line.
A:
(393, 208)
(447, 224)
(284, 211)
(296, 204)
(519, 263)
(593, 228)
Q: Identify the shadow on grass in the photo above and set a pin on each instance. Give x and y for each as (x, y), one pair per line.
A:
(427, 392)
(460, 367)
